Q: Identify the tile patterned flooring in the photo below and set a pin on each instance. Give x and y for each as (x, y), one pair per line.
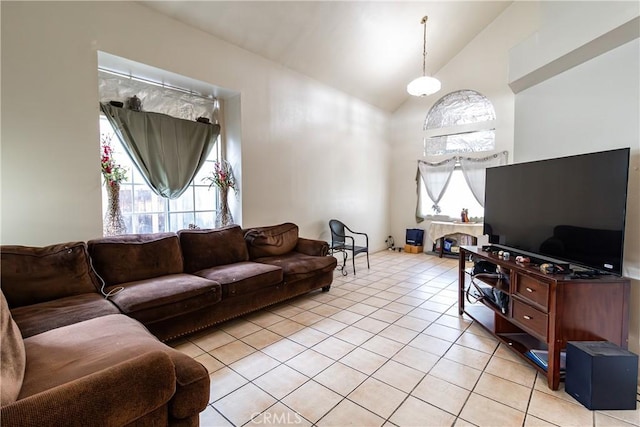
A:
(385, 347)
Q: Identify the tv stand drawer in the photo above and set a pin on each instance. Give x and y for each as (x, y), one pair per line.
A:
(530, 319)
(533, 290)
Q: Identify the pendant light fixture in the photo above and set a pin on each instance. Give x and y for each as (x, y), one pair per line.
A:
(425, 85)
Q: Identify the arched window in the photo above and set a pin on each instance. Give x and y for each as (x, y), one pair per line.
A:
(459, 123)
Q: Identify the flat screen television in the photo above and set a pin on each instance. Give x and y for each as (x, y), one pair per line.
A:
(570, 209)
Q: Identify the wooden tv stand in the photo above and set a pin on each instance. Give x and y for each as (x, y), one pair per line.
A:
(547, 310)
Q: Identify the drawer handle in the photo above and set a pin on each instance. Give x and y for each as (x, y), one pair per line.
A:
(527, 317)
(530, 290)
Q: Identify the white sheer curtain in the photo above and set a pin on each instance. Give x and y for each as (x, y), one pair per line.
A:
(474, 169)
(435, 177)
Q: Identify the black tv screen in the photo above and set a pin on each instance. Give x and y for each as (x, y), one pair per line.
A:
(570, 209)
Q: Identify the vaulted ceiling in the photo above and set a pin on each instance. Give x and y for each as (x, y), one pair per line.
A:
(368, 49)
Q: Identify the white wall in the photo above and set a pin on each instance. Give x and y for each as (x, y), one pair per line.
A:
(308, 152)
(593, 106)
(566, 26)
(482, 66)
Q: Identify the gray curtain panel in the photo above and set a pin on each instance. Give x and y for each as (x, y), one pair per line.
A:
(167, 151)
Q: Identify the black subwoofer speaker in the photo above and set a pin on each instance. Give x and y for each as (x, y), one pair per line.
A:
(601, 375)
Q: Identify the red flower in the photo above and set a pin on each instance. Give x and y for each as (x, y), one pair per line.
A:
(222, 176)
(113, 173)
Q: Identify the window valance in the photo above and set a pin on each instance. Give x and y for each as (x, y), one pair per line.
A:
(436, 176)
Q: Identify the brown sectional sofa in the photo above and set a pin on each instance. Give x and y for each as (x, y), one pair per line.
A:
(176, 284)
(91, 359)
(82, 362)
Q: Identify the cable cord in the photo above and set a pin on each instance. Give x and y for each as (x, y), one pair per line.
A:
(113, 291)
(478, 295)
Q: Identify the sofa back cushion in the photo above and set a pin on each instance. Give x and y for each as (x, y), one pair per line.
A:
(210, 248)
(271, 241)
(31, 275)
(13, 357)
(132, 257)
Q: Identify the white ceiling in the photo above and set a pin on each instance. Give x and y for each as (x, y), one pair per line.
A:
(368, 49)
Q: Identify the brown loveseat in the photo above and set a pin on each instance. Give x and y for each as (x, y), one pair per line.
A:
(86, 354)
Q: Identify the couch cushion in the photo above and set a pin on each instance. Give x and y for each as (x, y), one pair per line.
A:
(209, 248)
(37, 318)
(271, 241)
(77, 350)
(13, 359)
(132, 257)
(165, 297)
(243, 277)
(297, 266)
(30, 275)
(136, 392)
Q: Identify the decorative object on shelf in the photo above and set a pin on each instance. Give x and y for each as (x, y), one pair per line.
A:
(134, 103)
(113, 175)
(464, 215)
(549, 268)
(222, 178)
(425, 85)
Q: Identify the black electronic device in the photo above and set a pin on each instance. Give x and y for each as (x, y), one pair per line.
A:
(569, 209)
(601, 375)
(480, 267)
(414, 236)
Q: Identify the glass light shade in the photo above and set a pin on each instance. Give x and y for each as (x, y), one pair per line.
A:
(423, 86)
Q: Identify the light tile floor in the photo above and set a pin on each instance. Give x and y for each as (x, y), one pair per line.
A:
(383, 347)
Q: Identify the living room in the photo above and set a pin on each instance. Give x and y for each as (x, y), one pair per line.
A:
(306, 152)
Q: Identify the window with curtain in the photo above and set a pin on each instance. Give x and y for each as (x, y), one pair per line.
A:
(146, 212)
(187, 199)
(456, 127)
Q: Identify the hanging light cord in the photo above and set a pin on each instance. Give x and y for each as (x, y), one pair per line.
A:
(424, 46)
(424, 85)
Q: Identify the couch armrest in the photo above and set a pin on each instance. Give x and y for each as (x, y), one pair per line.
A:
(312, 247)
(114, 396)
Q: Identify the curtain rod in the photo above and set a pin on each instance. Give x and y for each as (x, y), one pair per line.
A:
(163, 85)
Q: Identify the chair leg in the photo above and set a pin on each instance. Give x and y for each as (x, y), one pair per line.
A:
(368, 268)
(344, 263)
(353, 261)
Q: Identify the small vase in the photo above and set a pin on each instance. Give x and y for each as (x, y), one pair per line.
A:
(223, 215)
(113, 221)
